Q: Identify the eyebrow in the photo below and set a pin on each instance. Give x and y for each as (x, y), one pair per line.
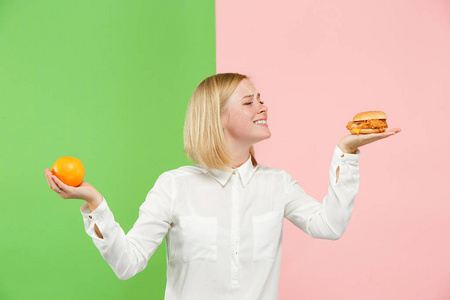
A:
(251, 95)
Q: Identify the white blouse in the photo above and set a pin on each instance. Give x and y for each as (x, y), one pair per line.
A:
(223, 229)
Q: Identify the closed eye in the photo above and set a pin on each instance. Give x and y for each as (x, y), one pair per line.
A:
(252, 102)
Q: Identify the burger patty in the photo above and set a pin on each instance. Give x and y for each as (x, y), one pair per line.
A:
(368, 124)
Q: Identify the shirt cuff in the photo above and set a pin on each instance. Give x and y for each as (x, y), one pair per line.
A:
(339, 155)
(95, 215)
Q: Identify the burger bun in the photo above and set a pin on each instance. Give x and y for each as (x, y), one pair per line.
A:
(370, 115)
(365, 131)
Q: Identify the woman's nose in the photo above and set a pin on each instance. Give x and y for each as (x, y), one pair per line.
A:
(263, 108)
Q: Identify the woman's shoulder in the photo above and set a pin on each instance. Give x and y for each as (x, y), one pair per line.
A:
(185, 171)
(267, 169)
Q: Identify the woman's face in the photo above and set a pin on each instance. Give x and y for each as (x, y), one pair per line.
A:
(243, 108)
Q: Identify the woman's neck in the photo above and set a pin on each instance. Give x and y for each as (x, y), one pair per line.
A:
(239, 155)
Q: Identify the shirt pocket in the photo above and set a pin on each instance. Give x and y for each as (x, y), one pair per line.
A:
(199, 238)
(267, 229)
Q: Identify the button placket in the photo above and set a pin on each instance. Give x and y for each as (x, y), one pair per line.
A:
(234, 230)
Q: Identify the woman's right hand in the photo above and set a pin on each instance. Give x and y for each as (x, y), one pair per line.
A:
(84, 191)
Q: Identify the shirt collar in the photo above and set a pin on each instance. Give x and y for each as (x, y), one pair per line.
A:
(245, 173)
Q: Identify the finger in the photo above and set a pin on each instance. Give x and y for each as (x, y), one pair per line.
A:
(395, 130)
(46, 178)
(60, 184)
(373, 137)
(384, 134)
(48, 173)
(53, 185)
(57, 181)
(391, 132)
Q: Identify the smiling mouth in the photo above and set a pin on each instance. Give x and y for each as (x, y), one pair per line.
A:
(261, 123)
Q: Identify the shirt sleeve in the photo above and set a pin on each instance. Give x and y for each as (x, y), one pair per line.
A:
(128, 254)
(329, 219)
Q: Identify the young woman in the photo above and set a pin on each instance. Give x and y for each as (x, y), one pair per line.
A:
(223, 217)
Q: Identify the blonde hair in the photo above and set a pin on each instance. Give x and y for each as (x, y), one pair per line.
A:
(204, 141)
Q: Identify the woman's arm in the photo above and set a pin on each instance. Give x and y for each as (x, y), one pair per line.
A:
(92, 206)
(329, 219)
(345, 151)
(128, 254)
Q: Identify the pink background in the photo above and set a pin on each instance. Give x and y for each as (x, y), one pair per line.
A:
(317, 64)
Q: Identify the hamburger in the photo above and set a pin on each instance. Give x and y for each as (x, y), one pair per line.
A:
(368, 122)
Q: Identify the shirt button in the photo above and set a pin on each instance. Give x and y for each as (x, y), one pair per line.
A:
(90, 217)
(342, 155)
(234, 172)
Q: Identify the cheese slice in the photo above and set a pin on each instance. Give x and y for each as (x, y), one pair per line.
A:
(357, 130)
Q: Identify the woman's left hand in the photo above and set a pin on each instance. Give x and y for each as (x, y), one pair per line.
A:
(352, 142)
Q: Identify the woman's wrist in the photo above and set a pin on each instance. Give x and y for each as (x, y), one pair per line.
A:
(347, 150)
(95, 201)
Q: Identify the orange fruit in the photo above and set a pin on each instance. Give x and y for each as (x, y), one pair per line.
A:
(69, 170)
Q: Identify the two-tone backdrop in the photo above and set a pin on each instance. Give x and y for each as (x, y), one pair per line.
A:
(109, 82)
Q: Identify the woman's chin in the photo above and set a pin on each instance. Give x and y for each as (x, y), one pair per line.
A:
(265, 137)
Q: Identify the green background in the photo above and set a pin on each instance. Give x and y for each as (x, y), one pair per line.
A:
(107, 82)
